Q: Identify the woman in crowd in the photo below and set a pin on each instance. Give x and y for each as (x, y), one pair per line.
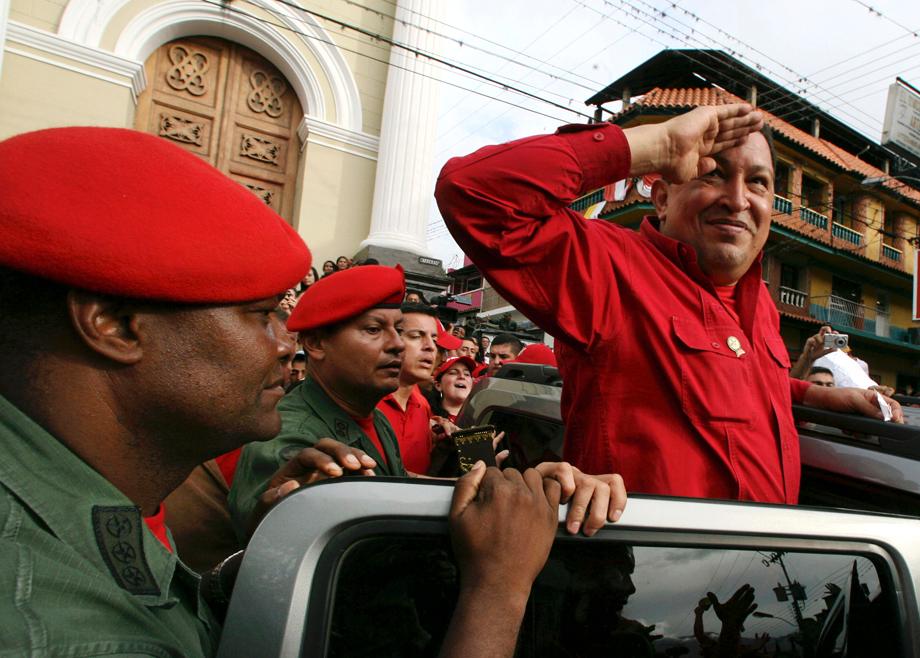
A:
(329, 268)
(453, 380)
(342, 263)
(311, 278)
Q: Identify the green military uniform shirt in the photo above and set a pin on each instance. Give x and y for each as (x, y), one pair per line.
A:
(307, 415)
(80, 572)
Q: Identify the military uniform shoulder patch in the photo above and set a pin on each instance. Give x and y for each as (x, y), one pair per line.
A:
(120, 537)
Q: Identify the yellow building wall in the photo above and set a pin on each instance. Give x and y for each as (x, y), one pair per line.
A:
(874, 218)
(336, 195)
(35, 95)
(44, 14)
(900, 309)
(820, 282)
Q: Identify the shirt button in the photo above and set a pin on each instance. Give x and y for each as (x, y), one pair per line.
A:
(716, 345)
(598, 137)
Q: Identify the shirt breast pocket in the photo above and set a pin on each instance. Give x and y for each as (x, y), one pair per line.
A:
(715, 382)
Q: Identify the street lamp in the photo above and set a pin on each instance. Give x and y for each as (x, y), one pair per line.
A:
(767, 615)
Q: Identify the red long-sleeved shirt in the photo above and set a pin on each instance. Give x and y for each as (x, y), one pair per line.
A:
(652, 390)
(412, 427)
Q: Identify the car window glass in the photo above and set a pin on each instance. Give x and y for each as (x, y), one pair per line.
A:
(394, 596)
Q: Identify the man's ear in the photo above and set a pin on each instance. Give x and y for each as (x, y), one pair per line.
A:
(106, 325)
(660, 198)
(314, 345)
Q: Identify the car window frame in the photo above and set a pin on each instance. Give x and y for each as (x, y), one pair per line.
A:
(281, 565)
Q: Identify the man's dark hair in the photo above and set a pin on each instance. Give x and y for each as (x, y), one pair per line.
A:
(298, 357)
(419, 308)
(508, 339)
(819, 370)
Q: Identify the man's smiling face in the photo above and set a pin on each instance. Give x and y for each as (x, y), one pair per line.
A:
(725, 214)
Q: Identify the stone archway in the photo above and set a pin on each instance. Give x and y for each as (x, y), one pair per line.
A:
(230, 106)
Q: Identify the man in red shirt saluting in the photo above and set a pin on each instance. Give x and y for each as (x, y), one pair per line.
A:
(675, 372)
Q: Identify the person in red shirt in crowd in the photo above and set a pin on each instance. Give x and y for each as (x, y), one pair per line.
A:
(668, 342)
(504, 349)
(454, 380)
(406, 408)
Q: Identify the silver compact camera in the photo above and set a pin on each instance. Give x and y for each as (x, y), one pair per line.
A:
(836, 341)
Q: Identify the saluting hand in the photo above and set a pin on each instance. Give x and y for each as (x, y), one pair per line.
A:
(681, 148)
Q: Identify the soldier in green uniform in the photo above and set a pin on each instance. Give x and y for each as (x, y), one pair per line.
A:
(349, 326)
(137, 340)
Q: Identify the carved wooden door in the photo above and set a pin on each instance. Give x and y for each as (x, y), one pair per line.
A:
(230, 106)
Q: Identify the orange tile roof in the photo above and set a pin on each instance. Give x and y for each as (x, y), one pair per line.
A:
(687, 98)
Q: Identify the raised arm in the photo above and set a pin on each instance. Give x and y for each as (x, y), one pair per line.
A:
(507, 207)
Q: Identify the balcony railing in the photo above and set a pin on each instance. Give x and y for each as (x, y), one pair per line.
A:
(891, 253)
(842, 232)
(587, 201)
(782, 204)
(813, 218)
(840, 312)
(793, 297)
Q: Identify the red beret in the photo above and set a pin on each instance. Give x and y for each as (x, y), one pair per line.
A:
(346, 294)
(480, 370)
(126, 213)
(537, 353)
(447, 341)
(450, 363)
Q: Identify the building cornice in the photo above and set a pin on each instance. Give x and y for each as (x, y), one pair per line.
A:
(76, 55)
(314, 127)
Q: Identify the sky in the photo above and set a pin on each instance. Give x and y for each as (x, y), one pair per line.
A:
(842, 55)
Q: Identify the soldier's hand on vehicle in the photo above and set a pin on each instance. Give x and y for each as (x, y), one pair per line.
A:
(327, 459)
(502, 525)
(593, 499)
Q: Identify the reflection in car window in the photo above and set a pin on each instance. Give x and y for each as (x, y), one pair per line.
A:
(394, 596)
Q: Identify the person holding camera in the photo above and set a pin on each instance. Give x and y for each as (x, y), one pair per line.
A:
(824, 342)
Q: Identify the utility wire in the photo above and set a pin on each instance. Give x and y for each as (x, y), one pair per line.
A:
(466, 44)
(686, 38)
(313, 37)
(429, 56)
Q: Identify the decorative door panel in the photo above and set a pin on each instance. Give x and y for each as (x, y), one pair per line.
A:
(230, 106)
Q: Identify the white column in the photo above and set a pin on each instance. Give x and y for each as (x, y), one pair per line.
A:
(4, 17)
(405, 181)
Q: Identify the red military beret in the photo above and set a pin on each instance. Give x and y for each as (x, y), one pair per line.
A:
(450, 363)
(537, 353)
(126, 213)
(446, 340)
(346, 294)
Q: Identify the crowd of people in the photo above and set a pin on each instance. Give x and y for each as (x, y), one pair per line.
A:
(147, 421)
